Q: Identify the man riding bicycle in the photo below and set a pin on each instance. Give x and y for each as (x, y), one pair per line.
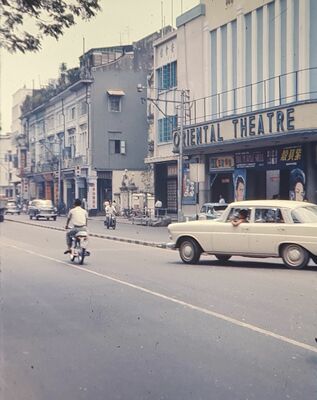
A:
(78, 217)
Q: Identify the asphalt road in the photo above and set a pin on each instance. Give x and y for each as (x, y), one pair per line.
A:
(135, 323)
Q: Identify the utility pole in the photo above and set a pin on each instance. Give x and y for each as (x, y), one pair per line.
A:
(180, 160)
(59, 192)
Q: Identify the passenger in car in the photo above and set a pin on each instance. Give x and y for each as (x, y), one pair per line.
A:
(242, 217)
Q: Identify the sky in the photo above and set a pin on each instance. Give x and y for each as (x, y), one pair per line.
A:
(119, 22)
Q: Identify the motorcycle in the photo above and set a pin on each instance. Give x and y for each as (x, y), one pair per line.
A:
(110, 221)
(79, 247)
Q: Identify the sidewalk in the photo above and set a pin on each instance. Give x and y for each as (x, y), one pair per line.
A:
(125, 230)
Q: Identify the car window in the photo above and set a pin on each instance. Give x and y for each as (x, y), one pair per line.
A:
(42, 203)
(304, 214)
(268, 215)
(221, 207)
(234, 212)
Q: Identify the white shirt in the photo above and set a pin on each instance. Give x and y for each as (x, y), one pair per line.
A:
(78, 216)
(110, 210)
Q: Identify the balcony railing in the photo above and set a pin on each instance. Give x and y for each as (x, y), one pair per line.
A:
(280, 90)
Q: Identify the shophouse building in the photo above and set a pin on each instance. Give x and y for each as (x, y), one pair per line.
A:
(7, 170)
(90, 138)
(163, 105)
(19, 144)
(250, 68)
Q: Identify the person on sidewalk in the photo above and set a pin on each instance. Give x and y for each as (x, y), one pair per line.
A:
(158, 206)
(221, 200)
(78, 217)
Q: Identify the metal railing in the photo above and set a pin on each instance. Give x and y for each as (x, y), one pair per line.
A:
(296, 86)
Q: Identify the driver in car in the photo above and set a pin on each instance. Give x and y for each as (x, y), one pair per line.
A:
(242, 217)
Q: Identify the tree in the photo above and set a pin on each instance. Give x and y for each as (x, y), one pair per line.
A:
(42, 18)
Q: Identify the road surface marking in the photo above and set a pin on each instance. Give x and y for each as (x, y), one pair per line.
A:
(176, 301)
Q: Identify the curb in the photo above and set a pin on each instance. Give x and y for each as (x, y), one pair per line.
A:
(98, 235)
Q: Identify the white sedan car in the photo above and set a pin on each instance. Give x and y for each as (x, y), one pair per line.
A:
(273, 228)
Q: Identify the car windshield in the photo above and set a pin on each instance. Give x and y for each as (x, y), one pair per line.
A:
(207, 209)
(305, 214)
(43, 203)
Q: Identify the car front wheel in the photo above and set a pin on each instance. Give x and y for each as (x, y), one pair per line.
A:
(295, 256)
(189, 251)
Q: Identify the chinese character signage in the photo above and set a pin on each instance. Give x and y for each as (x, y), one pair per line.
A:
(276, 158)
(222, 162)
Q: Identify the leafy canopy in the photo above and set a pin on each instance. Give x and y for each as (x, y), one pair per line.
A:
(24, 23)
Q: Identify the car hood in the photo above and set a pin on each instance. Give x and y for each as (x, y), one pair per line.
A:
(185, 226)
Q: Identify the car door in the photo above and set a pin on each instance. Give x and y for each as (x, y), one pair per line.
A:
(232, 239)
(266, 231)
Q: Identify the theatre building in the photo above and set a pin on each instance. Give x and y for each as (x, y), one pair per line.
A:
(250, 70)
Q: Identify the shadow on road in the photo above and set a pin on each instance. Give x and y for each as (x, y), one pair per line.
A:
(245, 265)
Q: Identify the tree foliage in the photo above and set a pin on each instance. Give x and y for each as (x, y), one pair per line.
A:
(24, 23)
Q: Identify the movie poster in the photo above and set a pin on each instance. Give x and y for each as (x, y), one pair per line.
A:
(189, 188)
(239, 184)
(297, 185)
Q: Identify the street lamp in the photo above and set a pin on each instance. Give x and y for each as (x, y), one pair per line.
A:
(181, 103)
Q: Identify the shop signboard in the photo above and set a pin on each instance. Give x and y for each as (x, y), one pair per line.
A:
(225, 162)
(274, 158)
(281, 122)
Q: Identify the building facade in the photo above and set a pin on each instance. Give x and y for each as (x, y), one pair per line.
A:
(7, 168)
(250, 70)
(163, 107)
(86, 138)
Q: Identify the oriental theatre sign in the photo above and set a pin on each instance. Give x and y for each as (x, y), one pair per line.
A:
(255, 125)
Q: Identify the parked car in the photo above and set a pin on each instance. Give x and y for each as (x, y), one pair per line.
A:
(12, 208)
(42, 209)
(274, 228)
(211, 210)
(3, 204)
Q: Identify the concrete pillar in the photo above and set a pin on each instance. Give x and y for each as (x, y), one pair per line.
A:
(219, 73)
(266, 68)
(290, 65)
(206, 103)
(230, 100)
(206, 60)
(278, 51)
(254, 44)
(304, 48)
(76, 188)
(241, 62)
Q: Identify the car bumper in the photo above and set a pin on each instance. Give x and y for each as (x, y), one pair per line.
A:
(171, 245)
(45, 215)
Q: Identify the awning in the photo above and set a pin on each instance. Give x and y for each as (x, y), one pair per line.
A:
(115, 92)
(38, 178)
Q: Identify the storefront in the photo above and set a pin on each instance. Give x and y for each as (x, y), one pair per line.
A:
(165, 177)
(264, 155)
(259, 174)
